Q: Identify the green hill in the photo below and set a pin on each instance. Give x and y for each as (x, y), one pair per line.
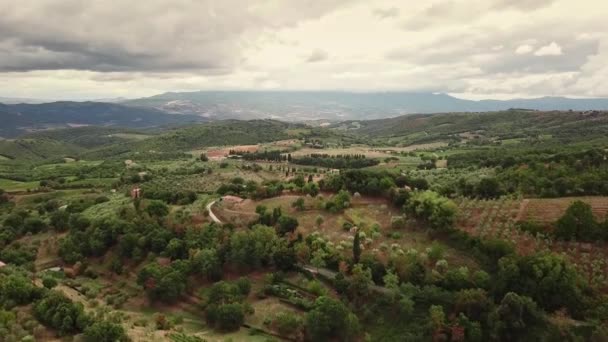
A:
(36, 149)
(90, 137)
(507, 124)
(229, 132)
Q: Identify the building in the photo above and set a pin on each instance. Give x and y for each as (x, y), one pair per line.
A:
(135, 193)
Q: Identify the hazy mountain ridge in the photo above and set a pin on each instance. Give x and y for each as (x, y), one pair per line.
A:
(334, 105)
(18, 119)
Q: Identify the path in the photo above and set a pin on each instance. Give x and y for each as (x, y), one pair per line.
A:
(211, 214)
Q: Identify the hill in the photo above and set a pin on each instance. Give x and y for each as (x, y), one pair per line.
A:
(228, 132)
(333, 105)
(504, 124)
(35, 149)
(90, 136)
(18, 119)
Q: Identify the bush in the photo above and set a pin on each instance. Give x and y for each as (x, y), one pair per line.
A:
(49, 282)
(287, 323)
(105, 332)
(227, 317)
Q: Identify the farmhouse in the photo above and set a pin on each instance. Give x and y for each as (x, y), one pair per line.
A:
(135, 193)
(2, 264)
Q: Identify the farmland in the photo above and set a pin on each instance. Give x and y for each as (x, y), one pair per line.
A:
(405, 228)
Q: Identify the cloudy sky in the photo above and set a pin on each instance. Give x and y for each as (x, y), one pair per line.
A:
(73, 49)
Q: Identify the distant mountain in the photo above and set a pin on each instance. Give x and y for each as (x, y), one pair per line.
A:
(18, 119)
(15, 100)
(333, 105)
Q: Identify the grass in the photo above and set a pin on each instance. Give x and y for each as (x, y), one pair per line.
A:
(12, 186)
(107, 209)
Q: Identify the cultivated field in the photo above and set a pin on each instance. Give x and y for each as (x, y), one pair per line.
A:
(499, 218)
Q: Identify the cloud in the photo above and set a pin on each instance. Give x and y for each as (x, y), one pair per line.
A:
(523, 5)
(552, 49)
(386, 13)
(76, 49)
(524, 49)
(317, 55)
(207, 36)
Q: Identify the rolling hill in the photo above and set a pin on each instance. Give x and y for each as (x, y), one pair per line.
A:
(511, 123)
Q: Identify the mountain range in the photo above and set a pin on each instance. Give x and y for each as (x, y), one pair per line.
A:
(19, 119)
(179, 108)
(336, 106)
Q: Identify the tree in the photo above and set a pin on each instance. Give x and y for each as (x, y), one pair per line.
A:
(488, 188)
(253, 248)
(577, 223)
(298, 204)
(157, 209)
(330, 319)
(546, 278)
(287, 323)
(356, 248)
(439, 211)
(105, 332)
(515, 317)
(59, 312)
(436, 320)
(204, 157)
(360, 282)
(207, 263)
(299, 181)
(49, 282)
(230, 317)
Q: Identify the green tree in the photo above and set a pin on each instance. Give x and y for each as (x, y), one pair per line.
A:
(516, 317)
(436, 320)
(105, 332)
(356, 248)
(577, 223)
(157, 209)
(330, 319)
(298, 204)
(287, 323)
(207, 263)
(287, 224)
(230, 316)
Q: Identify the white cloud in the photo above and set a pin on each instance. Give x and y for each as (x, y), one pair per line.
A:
(524, 49)
(552, 49)
(71, 49)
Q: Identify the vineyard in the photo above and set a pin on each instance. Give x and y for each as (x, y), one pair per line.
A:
(499, 218)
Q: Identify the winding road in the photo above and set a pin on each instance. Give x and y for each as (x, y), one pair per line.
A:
(211, 214)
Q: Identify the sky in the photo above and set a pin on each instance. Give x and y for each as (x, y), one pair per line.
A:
(73, 49)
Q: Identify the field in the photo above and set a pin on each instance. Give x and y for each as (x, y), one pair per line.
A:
(499, 218)
(371, 215)
(549, 210)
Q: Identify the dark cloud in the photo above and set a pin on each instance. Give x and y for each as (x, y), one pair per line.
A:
(152, 35)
